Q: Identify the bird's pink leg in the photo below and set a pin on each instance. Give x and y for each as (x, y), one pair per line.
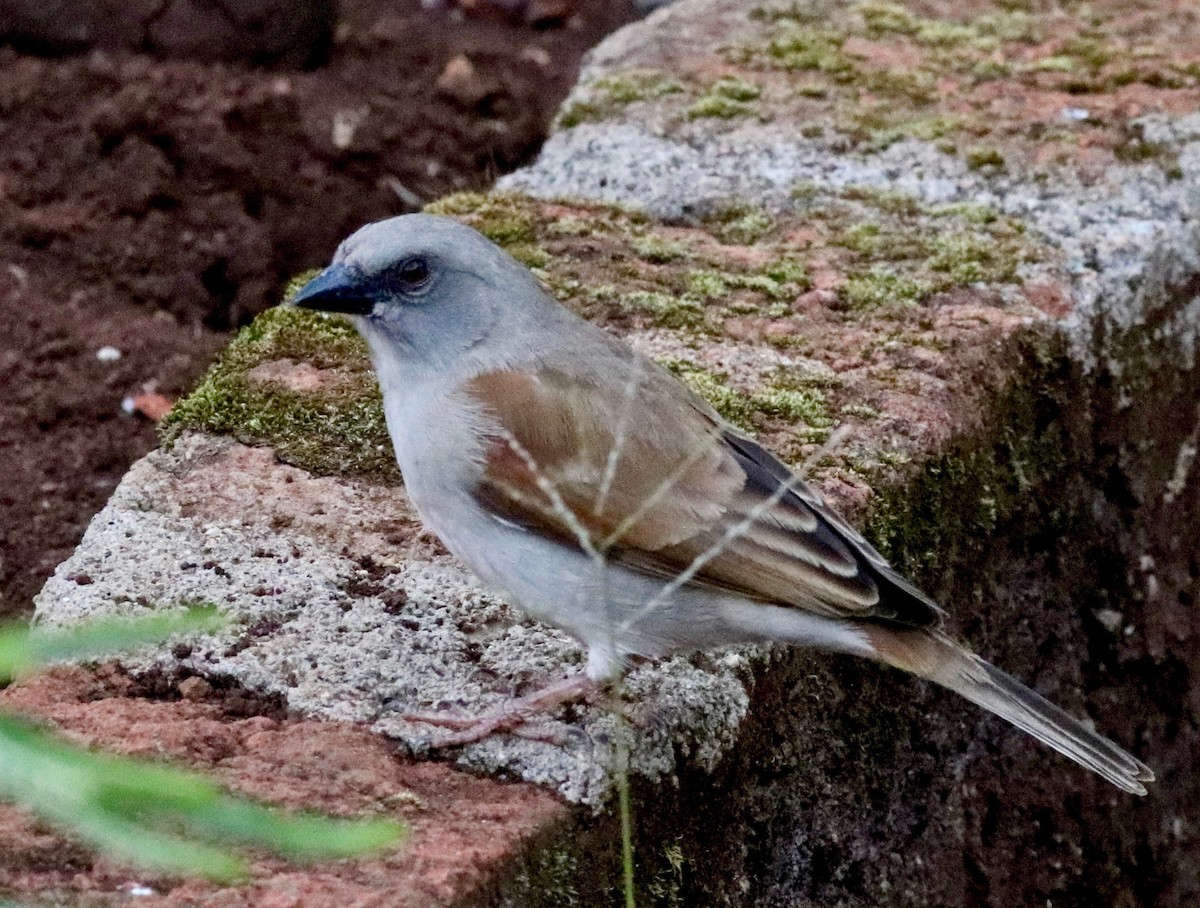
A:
(512, 716)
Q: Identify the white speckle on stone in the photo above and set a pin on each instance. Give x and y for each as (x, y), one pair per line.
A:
(415, 634)
(108, 354)
(1075, 114)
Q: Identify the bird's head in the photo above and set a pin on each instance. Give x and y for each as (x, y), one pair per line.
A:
(424, 290)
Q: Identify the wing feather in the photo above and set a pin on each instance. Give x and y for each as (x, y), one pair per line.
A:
(656, 479)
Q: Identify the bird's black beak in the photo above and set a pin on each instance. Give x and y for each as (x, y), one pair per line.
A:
(336, 289)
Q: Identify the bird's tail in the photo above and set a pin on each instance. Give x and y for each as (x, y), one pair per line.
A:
(932, 655)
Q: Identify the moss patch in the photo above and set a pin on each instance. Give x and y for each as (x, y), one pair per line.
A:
(877, 72)
(984, 157)
(604, 96)
(879, 287)
(892, 249)
(726, 98)
(740, 224)
(900, 252)
(340, 431)
(802, 410)
(930, 516)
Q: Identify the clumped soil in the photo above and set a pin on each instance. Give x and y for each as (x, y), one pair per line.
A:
(460, 827)
(152, 204)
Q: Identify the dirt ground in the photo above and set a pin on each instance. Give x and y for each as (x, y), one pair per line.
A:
(460, 826)
(149, 205)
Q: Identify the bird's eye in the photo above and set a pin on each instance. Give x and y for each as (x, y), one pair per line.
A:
(412, 274)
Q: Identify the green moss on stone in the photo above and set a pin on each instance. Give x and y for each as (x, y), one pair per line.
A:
(887, 19)
(706, 283)
(1091, 50)
(545, 877)
(808, 406)
(1058, 63)
(891, 201)
(712, 386)
(804, 408)
(638, 85)
(509, 220)
(654, 248)
(338, 430)
(789, 273)
(716, 106)
(779, 280)
(805, 191)
(1137, 151)
(798, 46)
(740, 224)
(666, 310)
(736, 89)
(926, 520)
(893, 242)
(879, 126)
(864, 238)
(577, 112)
(985, 157)
(900, 250)
(880, 287)
(530, 255)
(981, 33)
(859, 411)
(610, 93)
(972, 212)
(571, 226)
(726, 98)
(664, 888)
(968, 256)
(504, 218)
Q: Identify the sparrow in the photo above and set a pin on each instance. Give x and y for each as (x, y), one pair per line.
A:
(601, 495)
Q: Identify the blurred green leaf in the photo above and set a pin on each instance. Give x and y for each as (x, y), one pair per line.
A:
(167, 819)
(164, 818)
(23, 648)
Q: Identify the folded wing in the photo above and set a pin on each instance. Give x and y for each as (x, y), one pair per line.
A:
(650, 475)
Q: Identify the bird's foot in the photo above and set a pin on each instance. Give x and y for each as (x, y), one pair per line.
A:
(514, 717)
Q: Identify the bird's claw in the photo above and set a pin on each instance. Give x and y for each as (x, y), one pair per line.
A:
(514, 718)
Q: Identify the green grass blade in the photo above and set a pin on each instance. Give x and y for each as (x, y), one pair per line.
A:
(23, 649)
(157, 816)
(301, 836)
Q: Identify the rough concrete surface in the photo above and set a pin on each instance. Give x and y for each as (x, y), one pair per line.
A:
(965, 233)
(1117, 230)
(348, 610)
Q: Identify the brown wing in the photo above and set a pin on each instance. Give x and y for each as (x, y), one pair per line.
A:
(648, 473)
(797, 551)
(561, 433)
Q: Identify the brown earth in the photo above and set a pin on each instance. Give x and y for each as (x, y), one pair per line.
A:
(151, 204)
(460, 826)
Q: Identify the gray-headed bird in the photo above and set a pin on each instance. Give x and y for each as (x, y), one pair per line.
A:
(601, 495)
